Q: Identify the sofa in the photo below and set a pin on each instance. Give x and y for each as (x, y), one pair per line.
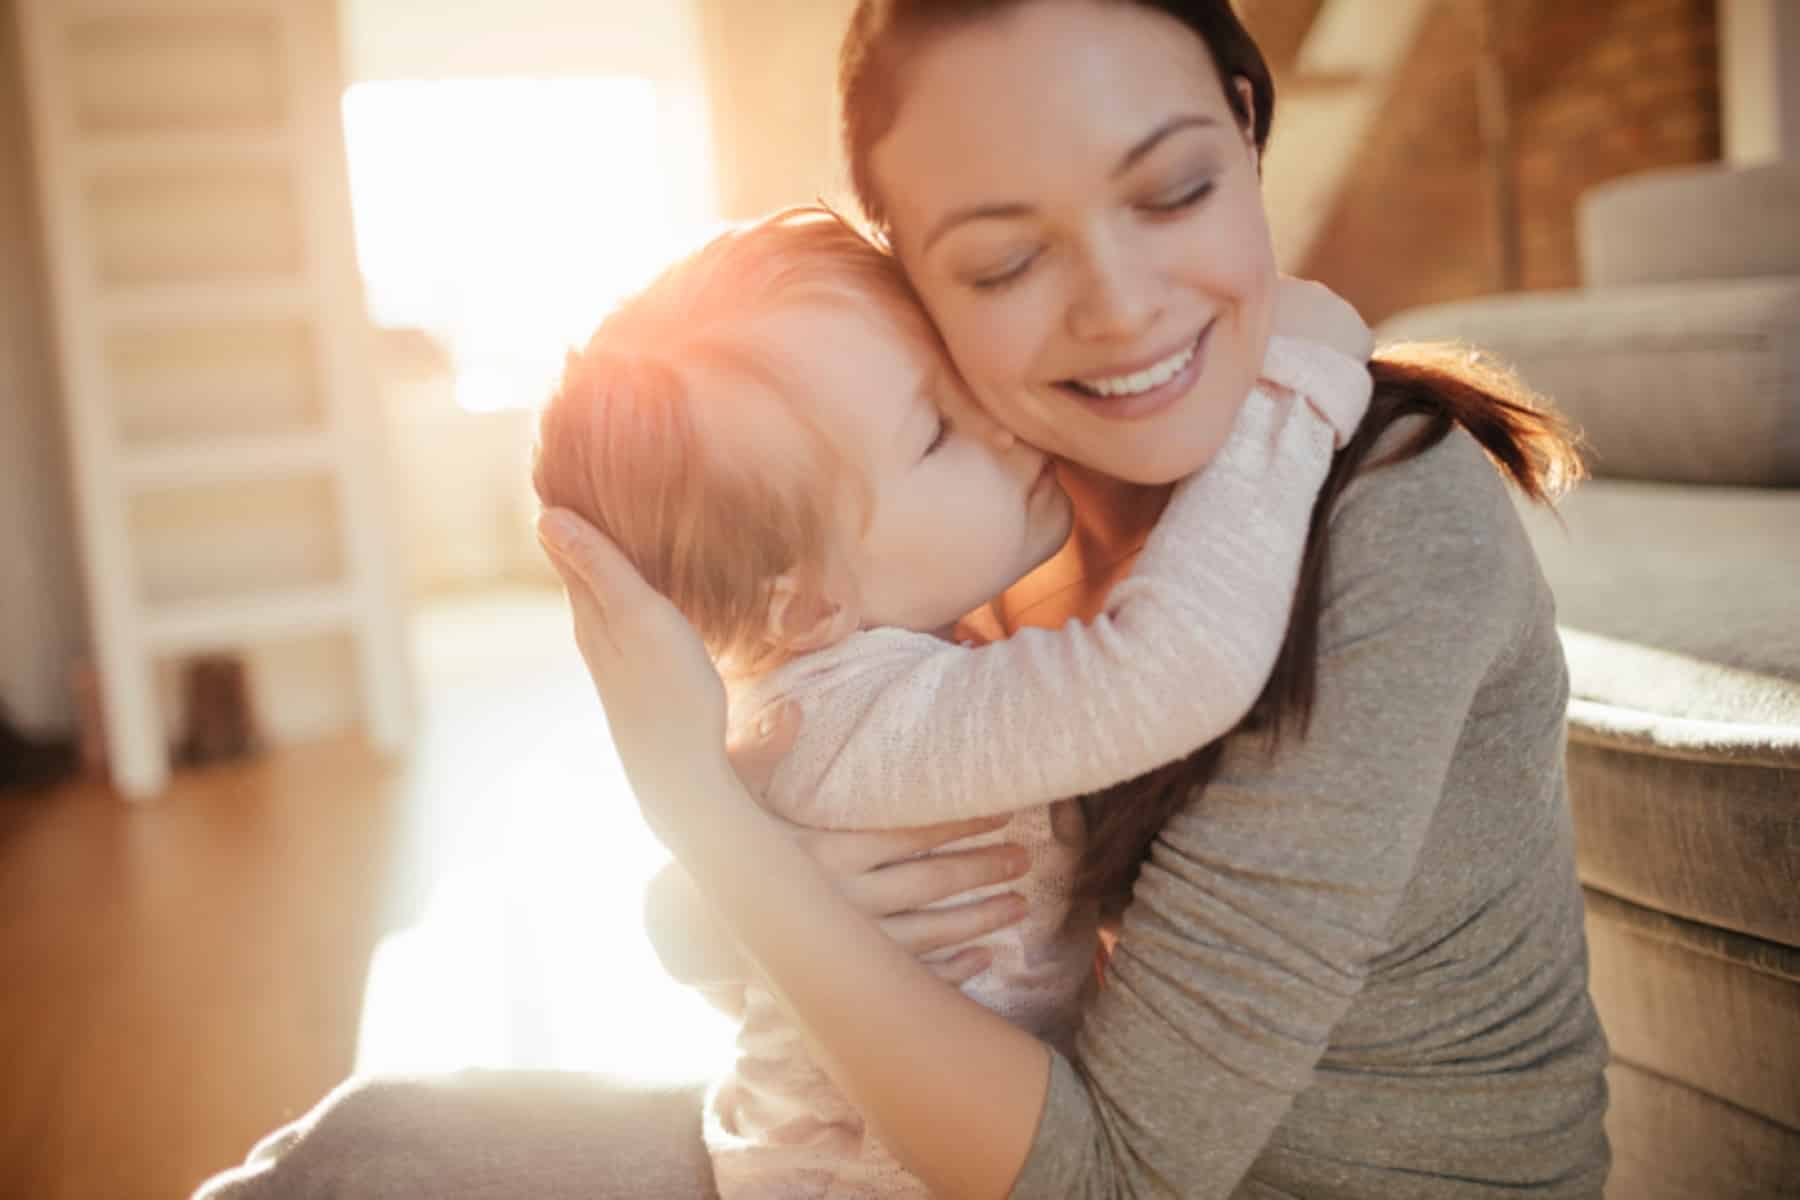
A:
(1676, 571)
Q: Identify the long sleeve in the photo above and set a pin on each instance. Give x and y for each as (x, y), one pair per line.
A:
(1274, 899)
(923, 731)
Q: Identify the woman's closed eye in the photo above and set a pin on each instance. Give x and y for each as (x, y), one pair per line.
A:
(1170, 203)
(1009, 272)
(1179, 199)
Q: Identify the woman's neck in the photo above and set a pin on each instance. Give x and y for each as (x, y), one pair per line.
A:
(1112, 519)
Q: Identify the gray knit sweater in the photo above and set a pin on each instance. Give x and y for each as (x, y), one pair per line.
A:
(1357, 968)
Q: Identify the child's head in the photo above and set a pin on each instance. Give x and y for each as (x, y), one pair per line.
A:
(759, 432)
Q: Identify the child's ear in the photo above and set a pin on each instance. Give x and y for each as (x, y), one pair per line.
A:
(804, 616)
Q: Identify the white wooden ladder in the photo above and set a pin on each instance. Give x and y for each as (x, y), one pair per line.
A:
(212, 339)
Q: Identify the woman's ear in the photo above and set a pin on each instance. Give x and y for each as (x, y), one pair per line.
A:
(805, 616)
(1247, 94)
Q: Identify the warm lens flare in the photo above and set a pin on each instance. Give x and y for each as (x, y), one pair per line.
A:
(506, 215)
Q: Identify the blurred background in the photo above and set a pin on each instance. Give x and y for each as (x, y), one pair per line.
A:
(301, 773)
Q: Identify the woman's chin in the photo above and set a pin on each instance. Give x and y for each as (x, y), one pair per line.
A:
(1156, 461)
(1161, 449)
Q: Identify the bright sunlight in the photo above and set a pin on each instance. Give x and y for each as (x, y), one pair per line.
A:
(505, 216)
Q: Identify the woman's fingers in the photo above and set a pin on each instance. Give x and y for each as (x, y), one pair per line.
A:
(935, 929)
(962, 966)
(907, 886)
(845, 855)
(665, 704)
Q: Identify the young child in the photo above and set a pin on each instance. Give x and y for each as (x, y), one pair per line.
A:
(760, 432)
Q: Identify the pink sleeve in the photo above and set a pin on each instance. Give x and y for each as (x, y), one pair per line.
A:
(1176, 660)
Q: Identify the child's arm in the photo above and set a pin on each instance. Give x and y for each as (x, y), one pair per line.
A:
(1176, 660)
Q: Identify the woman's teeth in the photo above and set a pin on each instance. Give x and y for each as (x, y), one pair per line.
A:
(1140, 381)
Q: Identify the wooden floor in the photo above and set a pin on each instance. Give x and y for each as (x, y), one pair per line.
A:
(180, 978)
(167, 996)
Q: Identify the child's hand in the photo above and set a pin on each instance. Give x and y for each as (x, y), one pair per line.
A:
(664, 701)
(1310, 310)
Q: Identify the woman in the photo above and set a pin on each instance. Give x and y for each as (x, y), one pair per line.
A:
(1351, 967)
(1352, 964)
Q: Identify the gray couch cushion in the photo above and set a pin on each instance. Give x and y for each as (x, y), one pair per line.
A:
(1682, 604)
(1680, 612)
(1686, 383)
(1674, 1142)
(1681, 997)
(1690, 223)
(1705, 1034)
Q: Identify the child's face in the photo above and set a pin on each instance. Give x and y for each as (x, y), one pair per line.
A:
(952, 521)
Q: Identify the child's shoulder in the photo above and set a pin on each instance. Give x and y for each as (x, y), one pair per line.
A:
(866, 653)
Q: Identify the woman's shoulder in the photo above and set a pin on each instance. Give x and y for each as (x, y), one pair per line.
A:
(1440, 522)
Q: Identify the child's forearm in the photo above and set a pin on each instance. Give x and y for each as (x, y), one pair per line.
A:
(953, 1089)
(1176, 661)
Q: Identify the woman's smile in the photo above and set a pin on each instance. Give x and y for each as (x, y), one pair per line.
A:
(1146, 392)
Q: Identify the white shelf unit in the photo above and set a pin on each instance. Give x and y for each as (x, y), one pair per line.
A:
(191, 303)
(223, 624)
(87, 137)
(240, 459)
(126, 153)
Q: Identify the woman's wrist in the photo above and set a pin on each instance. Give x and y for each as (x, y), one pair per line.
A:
(687, 797)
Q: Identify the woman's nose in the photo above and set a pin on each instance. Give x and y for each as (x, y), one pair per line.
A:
(1116, 300)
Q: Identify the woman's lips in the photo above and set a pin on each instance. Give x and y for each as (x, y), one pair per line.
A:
(1147, 403)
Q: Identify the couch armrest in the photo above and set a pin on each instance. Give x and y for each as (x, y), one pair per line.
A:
(1714, 221)
(1690, 383)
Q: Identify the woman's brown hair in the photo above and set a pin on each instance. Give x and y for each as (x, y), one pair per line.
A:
(1447, 385)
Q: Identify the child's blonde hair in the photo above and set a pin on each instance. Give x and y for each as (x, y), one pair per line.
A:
(632, 443)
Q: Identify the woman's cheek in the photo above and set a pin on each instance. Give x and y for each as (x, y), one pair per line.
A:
(995, 359)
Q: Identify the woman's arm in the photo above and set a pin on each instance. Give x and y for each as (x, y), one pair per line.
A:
(900, 879)
(872, 1015)
(1255, 923)
(936, 733)
(1248, 937)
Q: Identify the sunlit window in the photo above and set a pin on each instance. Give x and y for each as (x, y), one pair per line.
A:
(505, 216)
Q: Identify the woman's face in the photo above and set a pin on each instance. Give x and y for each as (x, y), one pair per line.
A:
(1081, 212)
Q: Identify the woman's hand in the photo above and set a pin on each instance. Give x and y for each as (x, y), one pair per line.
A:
(892, 876)
(873, 872)
(664, 701)
(878, 873)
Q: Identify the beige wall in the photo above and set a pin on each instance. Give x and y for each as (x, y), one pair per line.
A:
(1759, 59)
(41, 626)
(771, 74)
(1595, 91)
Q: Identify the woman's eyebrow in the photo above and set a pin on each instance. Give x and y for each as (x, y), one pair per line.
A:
(1133, 156)
(979, 212)
(1157, 136)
